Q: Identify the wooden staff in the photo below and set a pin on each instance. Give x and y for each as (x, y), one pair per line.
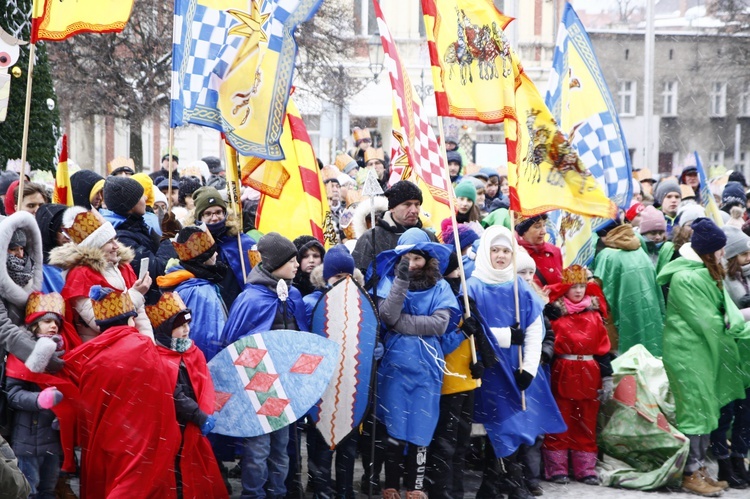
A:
(515, 296)
(232, 161)
(26, 114)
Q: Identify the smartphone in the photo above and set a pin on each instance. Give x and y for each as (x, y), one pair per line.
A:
(144, 268)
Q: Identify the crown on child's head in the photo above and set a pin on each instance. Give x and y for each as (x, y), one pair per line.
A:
(575, 274)
(40, 304)
(169, 305)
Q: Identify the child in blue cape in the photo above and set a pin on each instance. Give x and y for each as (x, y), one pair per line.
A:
(416, 307)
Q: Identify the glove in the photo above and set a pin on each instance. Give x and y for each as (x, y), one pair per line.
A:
(516, 335)
(477, 369)
(605, 392)
(379, 351)
(552, 311)
(471, 327)
(208, 425)
(56, 364)
(49, 398)
(523, 379)
(546, 358)
(402, 271)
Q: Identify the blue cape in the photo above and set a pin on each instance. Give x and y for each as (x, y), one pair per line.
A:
(53, 280)
(310, 301)
(151, 219)
(229, 253)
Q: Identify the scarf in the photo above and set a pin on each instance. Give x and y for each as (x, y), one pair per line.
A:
(622, 237)
(574, 308)
(218, 230)
(20, 270)
(212, 273)
(181, 345)
(484, 270)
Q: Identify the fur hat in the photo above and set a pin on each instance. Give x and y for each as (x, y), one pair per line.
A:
(338, 260)
(81, 183)
(466, 235)
(466, 189)
(86, 228)
(737, 242)
(40, 305)
(206, 197)
(121, 194)
(169, 307)
(402, 191)
(275, 250)
(192, 242)
(110, 306)
(707, 237)
(525, 223)
(214, 164)
(652, 220)
(304, 243)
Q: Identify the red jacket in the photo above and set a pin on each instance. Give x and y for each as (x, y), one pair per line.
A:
(548, 259)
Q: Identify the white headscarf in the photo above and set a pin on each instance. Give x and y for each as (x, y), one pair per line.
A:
(495, 235)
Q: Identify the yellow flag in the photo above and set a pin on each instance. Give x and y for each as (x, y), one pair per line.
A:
(56, 20)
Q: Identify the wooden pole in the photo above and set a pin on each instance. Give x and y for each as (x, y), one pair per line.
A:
(26, 115)
(515, 299)
(456, 242)
(169, 174)
(232, 161)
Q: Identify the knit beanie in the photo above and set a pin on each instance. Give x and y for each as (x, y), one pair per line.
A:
(738, 176)
(81, 183)
(338, 260)
(525, 224)
(18, 239)
(524, 261)
(652, 220)
(454, 157)
(213, 163)
(466, 235)
(275, 250)
(121, 194)
(188, 186)
(664, 188)
(737, 242)
(634, 211)
(452, 264)
(467, 190)
(707, 237)
(690, 212)
(7, 178)
(206, 197)
(733, 193)
(402, 191)
(194, 244)
(148, 187)
(304, 243)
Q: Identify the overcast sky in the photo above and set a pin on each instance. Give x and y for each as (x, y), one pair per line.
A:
(599, 5)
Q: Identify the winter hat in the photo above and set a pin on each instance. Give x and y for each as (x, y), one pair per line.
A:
(690, 212)
(148, 187)
(175, 159)
(737, 176)
(194, 243)
(634, 211)
(489, 173)
(524, 261)
(10, 203)
(466, 235)
(503, 239)
(707, 237)
(686, 170)
(737, 242)
(338, 260)
(275, 250)
(466, 189)
(86, 229)
(82, 182)
(110, 306)
(160, 197)
(41, 305)
(214, 164)
(454, 157)
(206, 197)
(49, 218)
(7, 178)
(452, 264)
(163, 185)
(652, 220)
(18, 239)
(304, 243)
(402, 191)
(733, 193)
(526, 223)
(188, 186)
(167, 310)
(121, 194)
(664, 188)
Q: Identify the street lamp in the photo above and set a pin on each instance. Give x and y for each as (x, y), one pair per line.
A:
(375, 52)
(424, 90)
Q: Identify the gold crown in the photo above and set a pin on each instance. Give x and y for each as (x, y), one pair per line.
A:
(169, 305)
(254, 255)
(84, 224)
(197, 244)
(360, 133)
(373, 153)
(575, 274)
(345, 163)
(113, 305)
(45, 303)
(120, 161)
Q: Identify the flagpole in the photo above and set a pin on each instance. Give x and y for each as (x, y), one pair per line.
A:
(232, 161)
(515, 296)
(26, 115)
(169, 174)
(456, 241)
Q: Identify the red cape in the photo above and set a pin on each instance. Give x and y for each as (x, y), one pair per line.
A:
(199, 470)
(129, 438)
(65, 410)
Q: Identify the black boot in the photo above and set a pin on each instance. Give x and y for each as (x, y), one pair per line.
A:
(514, 478)
(726, 473)
(739, 468)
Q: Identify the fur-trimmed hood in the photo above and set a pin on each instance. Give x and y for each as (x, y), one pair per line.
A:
(71, 255)
(316, 278)
(9, 290)
(362, 212)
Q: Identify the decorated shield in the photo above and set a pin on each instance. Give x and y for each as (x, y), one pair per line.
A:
(346, 315)
(266, 381)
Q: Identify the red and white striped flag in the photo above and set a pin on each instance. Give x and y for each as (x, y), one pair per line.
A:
(419, 144)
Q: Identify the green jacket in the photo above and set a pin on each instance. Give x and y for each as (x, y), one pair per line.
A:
(701, 353)
(659, 257)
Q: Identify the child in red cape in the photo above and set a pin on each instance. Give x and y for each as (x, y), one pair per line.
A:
(128, 437)
(196, 468)
(581, 374)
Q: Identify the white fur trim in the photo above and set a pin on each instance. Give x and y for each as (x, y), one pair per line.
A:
(687, 252)
(362, 213)
(70, 215)
(100, 236)
(9, 290)
(42, 353)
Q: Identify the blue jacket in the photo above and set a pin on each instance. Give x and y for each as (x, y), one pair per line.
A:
(33, 434)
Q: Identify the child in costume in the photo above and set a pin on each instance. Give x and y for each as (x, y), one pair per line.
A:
(581, 374)
(416, 307)
(197, 472)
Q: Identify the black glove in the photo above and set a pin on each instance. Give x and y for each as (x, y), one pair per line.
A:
(516, 335)
(546, 358)
(55, 363)
(477, 369)
(552, 311)
(523, 379)
(402, 271)
(471, 327)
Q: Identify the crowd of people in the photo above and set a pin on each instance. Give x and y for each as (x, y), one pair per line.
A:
(110, 310)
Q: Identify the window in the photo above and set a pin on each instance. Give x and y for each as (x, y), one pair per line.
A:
(715, 158)
(627, 98)
(744, 109)
(718, 99)
(669, 98)
(365, 22)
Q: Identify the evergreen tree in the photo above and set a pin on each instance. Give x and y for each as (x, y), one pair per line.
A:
(44, 124)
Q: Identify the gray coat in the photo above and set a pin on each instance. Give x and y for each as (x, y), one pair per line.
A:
(12, 482)
(32, 427)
